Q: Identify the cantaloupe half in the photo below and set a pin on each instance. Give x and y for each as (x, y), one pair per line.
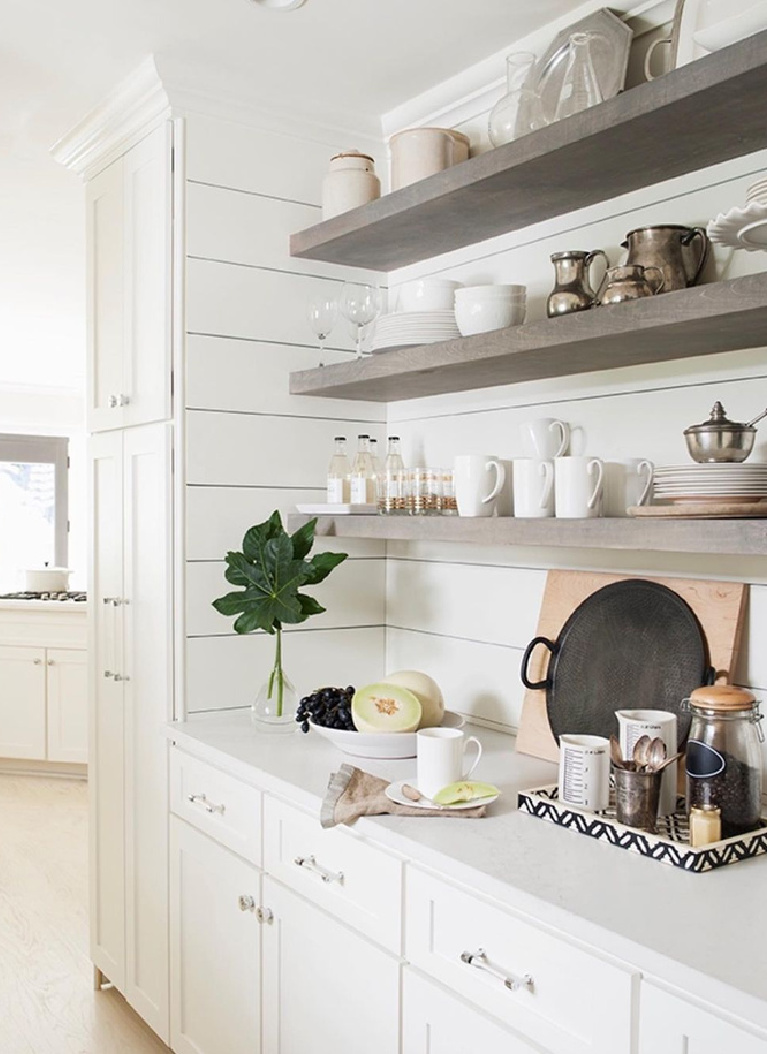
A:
(385, 708)
(426, 690)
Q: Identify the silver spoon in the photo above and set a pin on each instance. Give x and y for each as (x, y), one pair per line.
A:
(642, 751)
(656, 755)
(758, 418)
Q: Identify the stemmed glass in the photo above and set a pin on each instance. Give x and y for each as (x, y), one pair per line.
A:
(322, 312)
(360, 305)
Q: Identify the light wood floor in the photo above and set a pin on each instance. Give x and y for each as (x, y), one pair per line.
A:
(47, 1002)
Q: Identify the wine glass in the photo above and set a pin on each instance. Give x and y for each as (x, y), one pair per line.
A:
(322, 312)
(360, 305)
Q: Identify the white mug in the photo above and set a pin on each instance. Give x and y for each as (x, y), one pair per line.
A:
(584, 772)
(627, 484)
(635, 723)
(578, 484)
(533, 488)
(441, 758)
(545, 438)
(475, 489)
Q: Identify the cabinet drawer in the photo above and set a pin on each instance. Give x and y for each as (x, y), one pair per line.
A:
(336, 870)
(575, 1003)
(216, 804)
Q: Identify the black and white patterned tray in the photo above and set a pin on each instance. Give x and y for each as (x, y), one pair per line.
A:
(671, 845)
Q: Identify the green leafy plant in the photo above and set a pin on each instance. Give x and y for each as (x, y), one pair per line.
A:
(271, 570)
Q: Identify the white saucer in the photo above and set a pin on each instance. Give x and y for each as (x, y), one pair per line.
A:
(394, 793)
(744, 228)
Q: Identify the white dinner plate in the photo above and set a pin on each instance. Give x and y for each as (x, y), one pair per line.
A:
(394, 793)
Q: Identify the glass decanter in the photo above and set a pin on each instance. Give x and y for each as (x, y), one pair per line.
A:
(520, 110)
(580, 84)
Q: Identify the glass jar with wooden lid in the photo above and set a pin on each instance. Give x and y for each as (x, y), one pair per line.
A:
(723, 760)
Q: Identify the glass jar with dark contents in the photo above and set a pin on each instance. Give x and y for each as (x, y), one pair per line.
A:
(723, 760)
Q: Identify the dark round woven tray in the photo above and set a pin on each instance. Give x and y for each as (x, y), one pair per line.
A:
(632, 645)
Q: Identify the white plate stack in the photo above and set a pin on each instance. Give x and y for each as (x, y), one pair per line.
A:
(404, 329)
(723, 482)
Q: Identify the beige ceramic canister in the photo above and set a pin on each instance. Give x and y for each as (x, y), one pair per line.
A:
(351, 181)
(418, 153)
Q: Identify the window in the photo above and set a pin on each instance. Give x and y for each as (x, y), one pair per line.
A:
(33, 503)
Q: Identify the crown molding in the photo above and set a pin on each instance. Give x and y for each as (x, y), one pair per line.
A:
(122, 118)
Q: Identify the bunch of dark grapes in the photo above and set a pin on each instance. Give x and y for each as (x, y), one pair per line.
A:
(329, 707)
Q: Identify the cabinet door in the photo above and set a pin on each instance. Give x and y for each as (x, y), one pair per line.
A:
(105, 331)
(668, 1025)
(437, 1022)
(106, 726)
(215, 947)
(145, 385)
(67, 706)
(22, 703)
(146, 615)
(325, 988)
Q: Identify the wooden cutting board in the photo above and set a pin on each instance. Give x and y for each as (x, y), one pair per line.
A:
(719, 607)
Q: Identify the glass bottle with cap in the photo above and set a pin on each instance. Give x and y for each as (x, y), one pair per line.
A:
(339, 474)
(723, 758)
(363, 473)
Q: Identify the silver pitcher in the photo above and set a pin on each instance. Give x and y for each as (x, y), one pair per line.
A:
(572, 281)
(679, 253)
(629, 282)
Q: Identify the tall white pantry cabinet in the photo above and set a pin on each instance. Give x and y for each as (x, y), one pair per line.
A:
(129, 274)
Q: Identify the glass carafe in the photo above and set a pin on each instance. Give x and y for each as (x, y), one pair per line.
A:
(580, 84)
(520, 110)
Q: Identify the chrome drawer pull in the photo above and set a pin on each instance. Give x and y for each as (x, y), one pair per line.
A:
(310, 864)
(201, 799)
(479, 960)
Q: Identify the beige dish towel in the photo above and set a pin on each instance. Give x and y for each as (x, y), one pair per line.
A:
(353, 793)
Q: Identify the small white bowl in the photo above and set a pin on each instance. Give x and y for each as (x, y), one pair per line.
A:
(428, 294)
(479, 291)
(384, 745)
(486, 316)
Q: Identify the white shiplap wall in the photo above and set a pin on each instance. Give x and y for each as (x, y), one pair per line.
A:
(466, 614)
(250, 446)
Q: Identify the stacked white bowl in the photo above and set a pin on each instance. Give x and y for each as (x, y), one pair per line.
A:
(757, 193)
(483, 308)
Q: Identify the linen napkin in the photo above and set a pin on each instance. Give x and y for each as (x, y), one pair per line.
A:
(353, 793)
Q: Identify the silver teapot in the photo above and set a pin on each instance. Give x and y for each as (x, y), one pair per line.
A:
(629, 282)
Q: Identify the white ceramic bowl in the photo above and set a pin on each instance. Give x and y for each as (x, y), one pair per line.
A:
(428, 294)
(384, 745)
(485, 316)
(47, 579)
(479, 292)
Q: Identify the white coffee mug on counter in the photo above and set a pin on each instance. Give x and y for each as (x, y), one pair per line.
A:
(627, 484)
(441, 758)
(632, 724)
(545, 438)
(533, 488)
(479, 479)
(578, 485)
(584, 772)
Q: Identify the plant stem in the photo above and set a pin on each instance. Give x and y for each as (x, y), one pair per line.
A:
(277, 671)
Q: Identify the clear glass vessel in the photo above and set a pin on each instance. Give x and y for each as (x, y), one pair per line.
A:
(339, 474)
(360, 305)
(520, 111)
(363, 477)
(580, 84)
(322, 312)
(275, 706)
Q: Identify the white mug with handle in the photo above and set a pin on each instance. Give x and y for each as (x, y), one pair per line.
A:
(441, 758)
(578, 484)
(479, 479)
(627, 484)
(533, 488)
(545, 438)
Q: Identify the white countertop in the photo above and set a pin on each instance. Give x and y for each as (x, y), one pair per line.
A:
(706, 934)
(51, 606)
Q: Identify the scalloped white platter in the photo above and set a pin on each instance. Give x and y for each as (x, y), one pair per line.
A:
(389, 746)
(741, 228)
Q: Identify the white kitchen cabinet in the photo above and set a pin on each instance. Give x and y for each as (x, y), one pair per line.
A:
(670, 1025)
(325, 988)
(436, 1022)
(22, 703)
(128, 237)
(131, 699)
(67, 706)
(215, 947)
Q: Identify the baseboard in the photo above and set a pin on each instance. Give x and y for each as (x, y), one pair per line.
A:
(54, 769)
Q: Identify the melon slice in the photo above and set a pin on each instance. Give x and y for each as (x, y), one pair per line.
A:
(426, 690)
(455, 793)
(385, 708)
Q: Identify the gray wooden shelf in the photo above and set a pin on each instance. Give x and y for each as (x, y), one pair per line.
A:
(704, 320)
(709, 111)
(718, 537)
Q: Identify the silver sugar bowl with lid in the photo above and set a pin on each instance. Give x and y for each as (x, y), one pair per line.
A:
(720, 439)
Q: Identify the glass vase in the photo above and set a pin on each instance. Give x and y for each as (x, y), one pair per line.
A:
(275, 707)
(520, 110)
(580, 84)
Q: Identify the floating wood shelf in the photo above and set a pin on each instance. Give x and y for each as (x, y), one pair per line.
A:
(723, 316)
(709, 111)
(719, 537)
